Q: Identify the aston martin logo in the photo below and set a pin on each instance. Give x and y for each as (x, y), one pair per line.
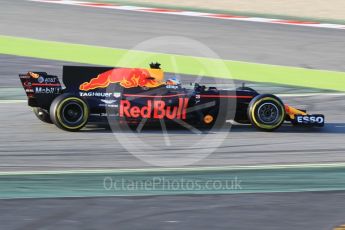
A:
(108, 102)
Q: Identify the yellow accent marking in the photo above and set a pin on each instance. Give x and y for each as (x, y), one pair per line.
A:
(157, 74)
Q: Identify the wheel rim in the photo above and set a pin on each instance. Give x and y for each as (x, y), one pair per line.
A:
(268, 113)
(72, 113)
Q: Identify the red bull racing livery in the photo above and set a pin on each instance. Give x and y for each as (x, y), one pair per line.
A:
(133, 95)
(155, 109)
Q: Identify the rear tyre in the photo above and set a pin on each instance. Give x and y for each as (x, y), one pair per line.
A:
(42, 115)
(266, 112)
(69, 112)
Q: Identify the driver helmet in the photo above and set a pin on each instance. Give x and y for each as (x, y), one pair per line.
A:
(173, 81)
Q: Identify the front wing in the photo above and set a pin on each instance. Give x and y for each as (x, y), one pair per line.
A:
(302, 118)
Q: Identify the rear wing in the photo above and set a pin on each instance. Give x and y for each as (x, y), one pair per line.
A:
(40, 88)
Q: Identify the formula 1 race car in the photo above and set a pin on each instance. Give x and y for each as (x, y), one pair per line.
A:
(132, 95)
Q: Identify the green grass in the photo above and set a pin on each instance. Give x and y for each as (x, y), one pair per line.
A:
(254, 72)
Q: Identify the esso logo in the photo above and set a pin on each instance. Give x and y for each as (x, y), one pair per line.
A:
(310, 119)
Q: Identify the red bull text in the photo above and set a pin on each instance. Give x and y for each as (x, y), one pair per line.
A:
(156, 109)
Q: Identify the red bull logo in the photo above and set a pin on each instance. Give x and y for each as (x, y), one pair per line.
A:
(127, 78)
(154, 109)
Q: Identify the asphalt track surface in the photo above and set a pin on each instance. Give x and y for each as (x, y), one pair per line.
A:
(27, 144)
(243, 41)
(283, 211)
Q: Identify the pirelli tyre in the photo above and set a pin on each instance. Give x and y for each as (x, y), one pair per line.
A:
(69, 112)
(42, 115)
(266, 112)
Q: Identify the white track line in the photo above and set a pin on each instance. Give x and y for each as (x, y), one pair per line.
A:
(192, 169)
(309, 94)
(195, 14)
(12, 101)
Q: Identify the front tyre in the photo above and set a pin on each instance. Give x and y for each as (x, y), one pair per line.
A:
(69, 112)
(266, 112)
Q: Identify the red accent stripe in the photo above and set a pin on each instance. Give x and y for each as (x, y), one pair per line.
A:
(153, 96)
(177, 95)
(160, 10)
(225, 16)
(43, 84)
(226, 96)
(295, 22)
(95, 4)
